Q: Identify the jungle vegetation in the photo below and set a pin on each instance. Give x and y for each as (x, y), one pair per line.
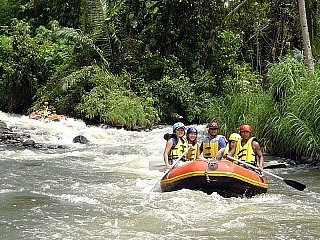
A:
(144, 62)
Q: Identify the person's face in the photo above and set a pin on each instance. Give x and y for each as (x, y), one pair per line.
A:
(180, 132)
(213, 131)
(245, 135)
(233, 144)
(192, 136)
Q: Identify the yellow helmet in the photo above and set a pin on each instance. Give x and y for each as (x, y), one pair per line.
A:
(234, 137)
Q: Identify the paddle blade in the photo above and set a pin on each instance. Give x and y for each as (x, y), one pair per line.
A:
(157, 165)
(295, 184)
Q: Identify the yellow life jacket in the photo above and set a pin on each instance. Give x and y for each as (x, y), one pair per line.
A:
(237, 150)
(246, 153)
(177, 149)
(44, 111)
(192, 153)
(210, 146)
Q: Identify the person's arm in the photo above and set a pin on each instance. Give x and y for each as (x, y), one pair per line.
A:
(219, 154)
(188, 154)
(166, 153)
(222, 142)
(257, 150)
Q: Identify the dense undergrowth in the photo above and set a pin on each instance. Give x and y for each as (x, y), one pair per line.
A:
(139, 63)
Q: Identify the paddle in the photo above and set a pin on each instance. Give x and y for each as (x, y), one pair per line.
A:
(275, 165)
(291, 183)
(156, 165)
(159, 165)
(172, 166)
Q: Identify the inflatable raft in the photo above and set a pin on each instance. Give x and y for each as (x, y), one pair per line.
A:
(223, 177)
(50, 118)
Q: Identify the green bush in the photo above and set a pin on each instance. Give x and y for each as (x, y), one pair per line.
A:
(113, 104)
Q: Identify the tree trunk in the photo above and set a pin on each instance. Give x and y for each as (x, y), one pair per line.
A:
(307, 53)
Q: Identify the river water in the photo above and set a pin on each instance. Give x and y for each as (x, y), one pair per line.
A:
(102, 191)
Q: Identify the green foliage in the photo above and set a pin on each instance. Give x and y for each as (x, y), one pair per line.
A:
(66, 93)
(296, 129)
(242, 79)
(8, 10)
(225, 48)
(170, 86)
(285, 79)
(116, 105)
(28, 60)
(85, 48)
(42, 12)
(24, 67)
(301, 123)
(140, 62)
(95, 94)
(100, 20)
(312, 9)
(234, 110)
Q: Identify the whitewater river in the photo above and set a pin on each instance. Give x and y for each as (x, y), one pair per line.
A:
(102, 191)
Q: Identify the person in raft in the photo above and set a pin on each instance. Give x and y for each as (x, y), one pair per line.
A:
(212, 143)
(45, 111)
(176, 144)
(194, 152)
(250, 148)
(232, 148)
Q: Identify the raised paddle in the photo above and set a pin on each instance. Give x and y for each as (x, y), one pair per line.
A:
(291, 183)
(172, 166)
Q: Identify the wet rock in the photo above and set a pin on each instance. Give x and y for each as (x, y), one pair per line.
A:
(14, 139)
(80, 139)
(28, 143)
(136, 128)
(4, 128)
(20, 139)
(45, 146)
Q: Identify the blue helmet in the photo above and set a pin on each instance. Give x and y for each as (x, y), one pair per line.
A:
(178, 125)
(192, 130)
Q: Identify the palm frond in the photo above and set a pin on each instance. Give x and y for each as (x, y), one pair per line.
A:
(103, 16)
(75, 36)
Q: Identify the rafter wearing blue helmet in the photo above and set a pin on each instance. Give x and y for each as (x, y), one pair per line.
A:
(193, 153)
(178, 125)
(176, 144)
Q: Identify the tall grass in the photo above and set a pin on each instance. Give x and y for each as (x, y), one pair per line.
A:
(234, 110)
(296, 128)
(285, 79)
(286, 119)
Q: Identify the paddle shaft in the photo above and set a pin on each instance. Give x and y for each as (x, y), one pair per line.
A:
(172, 166)
(292, 183)
(159, 165)
(248, 164)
